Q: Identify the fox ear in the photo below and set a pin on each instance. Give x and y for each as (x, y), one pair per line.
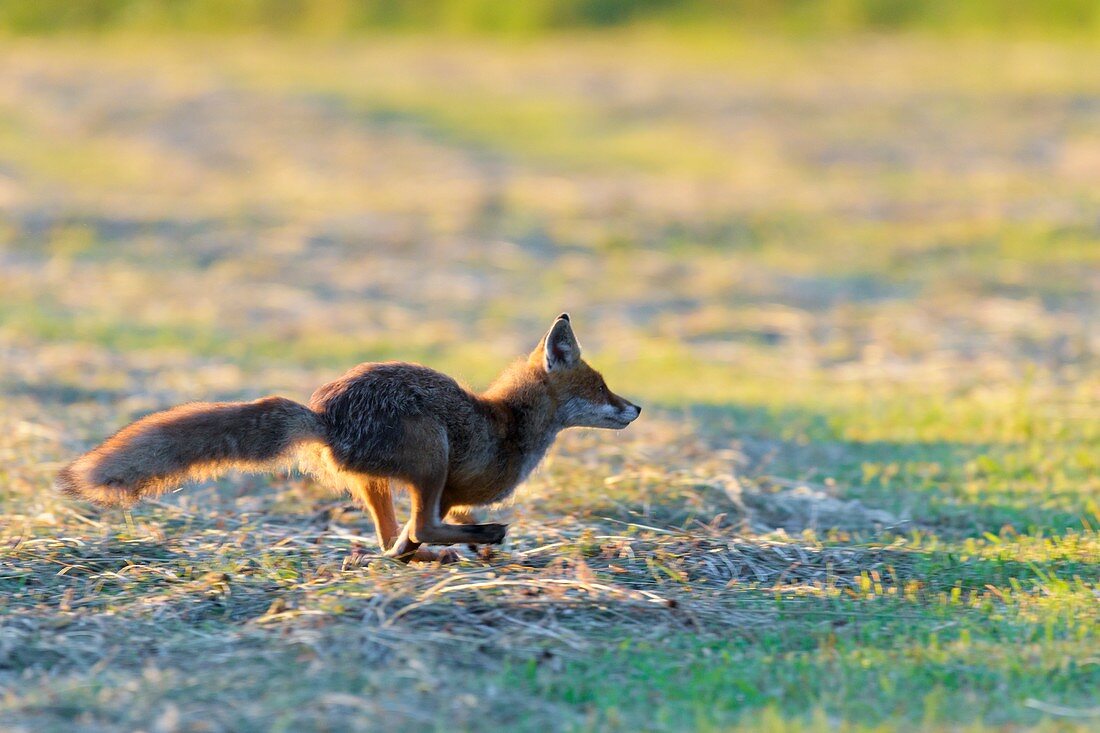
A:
(560, 348)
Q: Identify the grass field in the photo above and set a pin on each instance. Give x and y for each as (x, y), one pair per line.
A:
(855, 283)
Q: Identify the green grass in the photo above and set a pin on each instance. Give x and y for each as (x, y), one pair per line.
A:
(859, 309)
(529, 17)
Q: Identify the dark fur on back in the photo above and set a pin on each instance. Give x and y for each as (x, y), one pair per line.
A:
(166, 448)
(367, 412)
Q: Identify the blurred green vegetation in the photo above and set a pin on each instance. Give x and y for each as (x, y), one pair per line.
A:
(535, 16)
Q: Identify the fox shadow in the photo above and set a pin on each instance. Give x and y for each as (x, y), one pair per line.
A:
(924, 483)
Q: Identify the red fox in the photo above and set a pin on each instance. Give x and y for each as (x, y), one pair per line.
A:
(378, 424)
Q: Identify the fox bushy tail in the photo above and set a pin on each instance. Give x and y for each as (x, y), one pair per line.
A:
(162, 450)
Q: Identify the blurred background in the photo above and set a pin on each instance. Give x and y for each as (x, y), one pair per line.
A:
(845, 252)
(539, 16)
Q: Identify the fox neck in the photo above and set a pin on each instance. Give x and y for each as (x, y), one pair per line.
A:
(527, 416)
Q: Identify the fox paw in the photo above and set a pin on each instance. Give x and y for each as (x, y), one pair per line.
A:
(491, 534)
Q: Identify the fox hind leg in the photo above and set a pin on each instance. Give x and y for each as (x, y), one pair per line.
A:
(375, 495)
(424, 455)
(426, 525)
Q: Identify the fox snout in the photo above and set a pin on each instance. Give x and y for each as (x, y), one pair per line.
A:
(614, 413)
(625, 411)
(629, 412)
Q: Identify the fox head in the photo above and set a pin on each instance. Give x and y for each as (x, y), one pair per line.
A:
(580, 392)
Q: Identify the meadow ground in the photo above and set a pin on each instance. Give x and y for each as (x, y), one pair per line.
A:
(854, 282)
